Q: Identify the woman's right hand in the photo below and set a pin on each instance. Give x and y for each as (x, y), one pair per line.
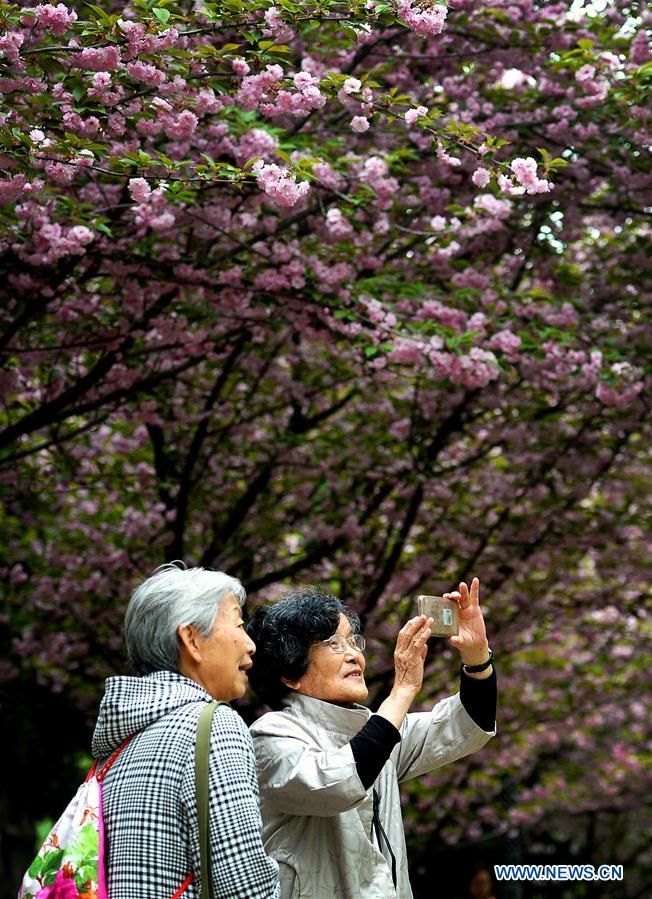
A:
(410, 654)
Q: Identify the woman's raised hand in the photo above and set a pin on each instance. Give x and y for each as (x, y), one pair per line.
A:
(471, 642)
(410, 654)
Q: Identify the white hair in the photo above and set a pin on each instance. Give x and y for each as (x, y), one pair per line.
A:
(173, 597)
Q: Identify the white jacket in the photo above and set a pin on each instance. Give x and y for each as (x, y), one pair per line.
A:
(317, 816)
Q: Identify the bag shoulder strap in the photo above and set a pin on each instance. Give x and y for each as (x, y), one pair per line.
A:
(100, 771)
(202, 752)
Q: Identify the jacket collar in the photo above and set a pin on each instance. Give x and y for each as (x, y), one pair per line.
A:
(131, 704)
(327, 715)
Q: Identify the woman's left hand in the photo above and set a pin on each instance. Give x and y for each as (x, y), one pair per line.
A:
(471, 642)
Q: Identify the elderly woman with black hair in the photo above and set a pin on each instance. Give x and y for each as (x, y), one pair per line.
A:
(328, 768)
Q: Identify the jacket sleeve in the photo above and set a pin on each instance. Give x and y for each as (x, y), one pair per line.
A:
(240, 867)
(435, 738)
(299, 778)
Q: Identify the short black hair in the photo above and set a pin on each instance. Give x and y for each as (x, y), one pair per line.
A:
(283, 634)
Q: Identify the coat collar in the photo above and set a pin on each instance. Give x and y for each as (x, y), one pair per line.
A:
(327, 715)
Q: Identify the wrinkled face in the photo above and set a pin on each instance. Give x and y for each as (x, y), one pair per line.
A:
(336, 677)
(226, 653)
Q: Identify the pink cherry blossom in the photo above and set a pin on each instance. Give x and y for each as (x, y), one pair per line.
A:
(146, 72)
(102, 59)
(277, 27)
(506, 341)
(280, 184)
(445, 157)
(12, 188)
(255, 88)
(481, 177)
(585, 73)
(525, 171)
(10, 45)
(412, 115)
(352, 86)
(360, 124)
(641, 48)
(240, 66)
(426, 18)
(55, 19)
(139, 189)
(337, 225)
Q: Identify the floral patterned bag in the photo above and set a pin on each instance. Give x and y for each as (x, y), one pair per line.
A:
(70, 863)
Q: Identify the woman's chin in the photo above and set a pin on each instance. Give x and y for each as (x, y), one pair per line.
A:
(345, 693)
(357, 692)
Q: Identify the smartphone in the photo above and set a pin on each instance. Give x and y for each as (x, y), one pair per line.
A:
(444, 612)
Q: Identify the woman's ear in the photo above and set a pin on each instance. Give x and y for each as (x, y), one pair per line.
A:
(292, 684)
(188, 642)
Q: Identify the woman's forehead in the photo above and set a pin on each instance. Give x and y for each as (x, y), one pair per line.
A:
(344, 627)
(230, 607)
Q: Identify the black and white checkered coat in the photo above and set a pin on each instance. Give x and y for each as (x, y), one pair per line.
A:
(150, 812)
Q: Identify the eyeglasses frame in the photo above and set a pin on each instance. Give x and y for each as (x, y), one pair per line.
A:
(351, 643)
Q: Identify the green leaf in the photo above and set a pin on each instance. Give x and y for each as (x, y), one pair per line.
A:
(248, 164)
(99, 12)
(88, 871)
(228, 48)
(35, 868)
(163, 15)
(461, 340)
(51, 864)
(85, 847)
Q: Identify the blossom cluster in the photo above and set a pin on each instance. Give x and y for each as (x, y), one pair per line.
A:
(425, 17)
(528, 181)
(279, 184)
(53, 18)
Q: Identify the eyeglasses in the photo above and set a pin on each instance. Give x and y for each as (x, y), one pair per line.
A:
(340, 643)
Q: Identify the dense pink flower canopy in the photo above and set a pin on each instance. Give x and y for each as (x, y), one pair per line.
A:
(350, 293)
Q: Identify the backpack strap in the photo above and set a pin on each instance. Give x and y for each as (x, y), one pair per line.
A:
(100, 771)
(202, 752)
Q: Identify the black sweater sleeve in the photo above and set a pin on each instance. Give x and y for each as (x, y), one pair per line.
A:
(371, 748)
(479, 698)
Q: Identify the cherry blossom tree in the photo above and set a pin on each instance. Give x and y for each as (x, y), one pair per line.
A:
(349, 293)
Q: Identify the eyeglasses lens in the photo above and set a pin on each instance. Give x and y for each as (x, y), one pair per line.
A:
(338, 643)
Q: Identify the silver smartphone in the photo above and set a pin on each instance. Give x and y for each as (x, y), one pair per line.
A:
(444, 612)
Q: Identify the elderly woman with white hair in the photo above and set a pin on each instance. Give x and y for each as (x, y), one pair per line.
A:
(187, 644)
